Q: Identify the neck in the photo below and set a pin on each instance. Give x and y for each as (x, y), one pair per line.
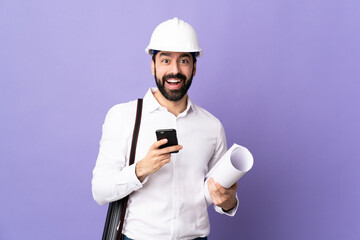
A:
(175, 107)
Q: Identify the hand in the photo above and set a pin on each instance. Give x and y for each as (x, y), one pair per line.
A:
(222, 197)
(154, 159)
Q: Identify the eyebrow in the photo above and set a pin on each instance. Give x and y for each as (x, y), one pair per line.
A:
(185, 55)
(164, 54)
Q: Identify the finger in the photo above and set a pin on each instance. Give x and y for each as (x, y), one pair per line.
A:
(210, 182)
(157, 144)
(164, 157)
(220, 188)
(212, 185)
(170, 149)
(214, 193)
(217, 188)
(233, 187)
(165, 161)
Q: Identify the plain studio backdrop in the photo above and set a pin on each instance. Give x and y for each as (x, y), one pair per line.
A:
(282, 76)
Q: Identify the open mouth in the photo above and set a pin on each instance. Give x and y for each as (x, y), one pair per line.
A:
(174, 84)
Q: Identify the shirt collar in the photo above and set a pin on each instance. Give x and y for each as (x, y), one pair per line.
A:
(151, 104)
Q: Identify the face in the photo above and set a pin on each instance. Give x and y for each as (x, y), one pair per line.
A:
(173, 72)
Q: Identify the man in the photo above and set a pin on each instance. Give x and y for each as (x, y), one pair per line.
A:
(166, 189)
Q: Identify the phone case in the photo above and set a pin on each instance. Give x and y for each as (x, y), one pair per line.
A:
(170, 135)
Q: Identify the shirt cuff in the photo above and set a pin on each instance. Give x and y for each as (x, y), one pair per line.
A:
(133, 179)
(126, 183)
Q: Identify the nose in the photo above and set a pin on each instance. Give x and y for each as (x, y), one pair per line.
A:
(174, 68)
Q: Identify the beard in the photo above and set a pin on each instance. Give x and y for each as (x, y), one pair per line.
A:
(173, 95)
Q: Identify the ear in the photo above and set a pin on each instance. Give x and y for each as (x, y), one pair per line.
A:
(152, 67)
(194, 69)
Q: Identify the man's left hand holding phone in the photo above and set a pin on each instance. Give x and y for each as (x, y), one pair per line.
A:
(156, 156)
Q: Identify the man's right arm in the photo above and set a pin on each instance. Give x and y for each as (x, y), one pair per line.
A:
(112, 179)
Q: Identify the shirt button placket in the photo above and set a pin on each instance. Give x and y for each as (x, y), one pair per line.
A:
(175, 187)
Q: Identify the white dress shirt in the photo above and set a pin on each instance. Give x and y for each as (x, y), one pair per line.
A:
(170, 203)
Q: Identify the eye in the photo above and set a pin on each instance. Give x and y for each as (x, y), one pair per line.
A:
(165, 61)
(184, 61)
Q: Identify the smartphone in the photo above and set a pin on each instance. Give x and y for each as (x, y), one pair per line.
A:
(170, 135)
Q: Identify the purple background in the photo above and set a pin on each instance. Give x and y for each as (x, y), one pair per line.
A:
(281, 75)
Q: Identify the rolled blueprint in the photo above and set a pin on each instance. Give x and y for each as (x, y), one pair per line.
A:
(230, 168)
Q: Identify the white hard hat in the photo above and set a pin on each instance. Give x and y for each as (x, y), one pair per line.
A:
(174, 35)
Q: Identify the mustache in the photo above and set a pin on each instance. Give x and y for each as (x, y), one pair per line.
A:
(174, 76)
